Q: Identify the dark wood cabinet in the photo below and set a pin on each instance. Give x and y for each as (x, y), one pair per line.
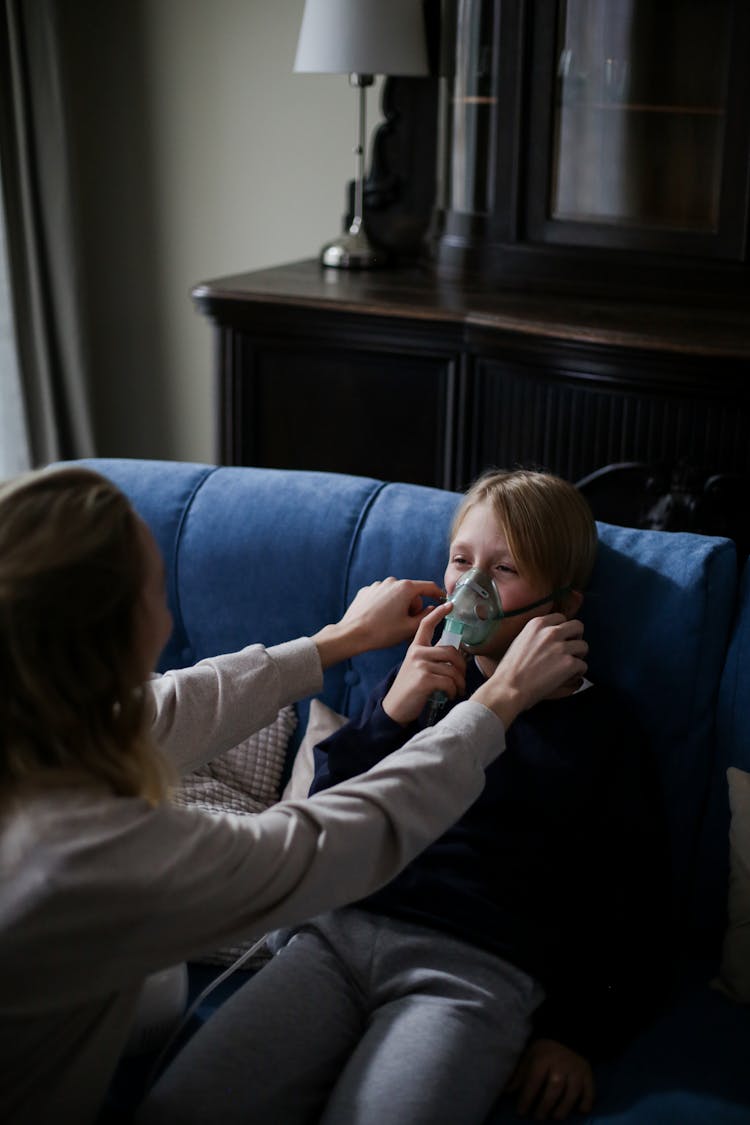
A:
(571, 188)
(596, 408)
(595, 143)
(402, 375)
(363, 407)
(314, 370)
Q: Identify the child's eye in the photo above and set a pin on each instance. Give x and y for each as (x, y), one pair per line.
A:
(459, 560)
(504, 569)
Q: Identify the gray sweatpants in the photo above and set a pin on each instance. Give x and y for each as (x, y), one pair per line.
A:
(358, 1019)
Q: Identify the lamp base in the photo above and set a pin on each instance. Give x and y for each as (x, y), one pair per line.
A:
(352, 251)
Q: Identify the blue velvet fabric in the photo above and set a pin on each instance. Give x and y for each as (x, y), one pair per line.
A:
(658, 615)
(266, 555)
(162, 493)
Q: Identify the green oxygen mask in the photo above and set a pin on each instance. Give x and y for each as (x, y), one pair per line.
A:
(477, 608)
(476, 613)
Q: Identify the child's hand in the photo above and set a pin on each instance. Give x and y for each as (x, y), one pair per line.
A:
(425, 669)
(553, 1080)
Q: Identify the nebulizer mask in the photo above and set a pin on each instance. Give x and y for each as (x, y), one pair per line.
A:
(477, 608)
(476, 613)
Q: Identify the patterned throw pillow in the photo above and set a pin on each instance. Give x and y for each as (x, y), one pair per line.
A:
(244, 780)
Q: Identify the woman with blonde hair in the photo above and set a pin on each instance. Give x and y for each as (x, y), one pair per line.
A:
(102, 879)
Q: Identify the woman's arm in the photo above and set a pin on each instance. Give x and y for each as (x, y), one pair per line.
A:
(382, 614)
(156, 885)
(197, 713)
(169, 882)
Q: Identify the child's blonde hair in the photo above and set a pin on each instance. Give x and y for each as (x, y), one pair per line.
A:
(547, 523)
(71, 576)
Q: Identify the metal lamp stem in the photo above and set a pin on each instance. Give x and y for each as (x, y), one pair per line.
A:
(362, 81)
(353, 250)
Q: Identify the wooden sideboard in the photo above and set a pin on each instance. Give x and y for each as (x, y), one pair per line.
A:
(576, 216)
(400, 374)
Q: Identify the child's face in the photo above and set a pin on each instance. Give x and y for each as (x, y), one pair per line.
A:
(480, 542)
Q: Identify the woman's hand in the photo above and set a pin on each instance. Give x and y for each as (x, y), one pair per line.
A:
(553, 1080)
(426, 669)
(382, 614)
(546, 657)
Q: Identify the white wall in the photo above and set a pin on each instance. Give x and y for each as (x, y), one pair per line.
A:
(201, 154)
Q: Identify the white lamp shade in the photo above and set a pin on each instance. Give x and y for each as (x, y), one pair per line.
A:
(362, 37)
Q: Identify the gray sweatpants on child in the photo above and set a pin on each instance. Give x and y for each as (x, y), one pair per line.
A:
(357, 1020)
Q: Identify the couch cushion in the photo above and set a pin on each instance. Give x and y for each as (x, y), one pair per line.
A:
(245, 779)
(263, 555)
(658, 614)
(161, 492)
(322, 723)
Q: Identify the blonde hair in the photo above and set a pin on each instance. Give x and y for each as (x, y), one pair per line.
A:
(547, 523)
(71, 576)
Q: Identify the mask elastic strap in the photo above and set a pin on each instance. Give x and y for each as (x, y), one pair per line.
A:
(542, 601)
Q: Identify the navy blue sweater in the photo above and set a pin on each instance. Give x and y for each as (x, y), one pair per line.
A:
(559, 866)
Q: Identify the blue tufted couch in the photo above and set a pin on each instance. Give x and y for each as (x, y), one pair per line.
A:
(254, 554)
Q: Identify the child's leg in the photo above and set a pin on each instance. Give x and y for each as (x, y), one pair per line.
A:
(448, 1027)
(272, 1052)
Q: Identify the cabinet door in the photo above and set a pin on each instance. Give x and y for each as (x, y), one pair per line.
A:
(375, 414)
(639, 126)
(575, 421)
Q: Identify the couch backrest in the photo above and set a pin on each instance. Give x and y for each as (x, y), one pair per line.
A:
(264, 555)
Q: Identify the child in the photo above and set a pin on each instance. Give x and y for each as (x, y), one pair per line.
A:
(102, 881)
(523, 919)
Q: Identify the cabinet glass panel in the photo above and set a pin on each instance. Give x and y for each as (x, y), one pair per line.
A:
(639, 115)
(469, 103)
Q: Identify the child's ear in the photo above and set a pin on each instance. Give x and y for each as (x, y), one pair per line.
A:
(570, 603)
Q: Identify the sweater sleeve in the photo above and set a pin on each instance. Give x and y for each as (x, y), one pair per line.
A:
(199, 712)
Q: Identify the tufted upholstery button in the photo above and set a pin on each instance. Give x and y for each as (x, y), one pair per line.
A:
(351, 677)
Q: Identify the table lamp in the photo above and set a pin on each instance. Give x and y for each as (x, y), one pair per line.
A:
(360, 38)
